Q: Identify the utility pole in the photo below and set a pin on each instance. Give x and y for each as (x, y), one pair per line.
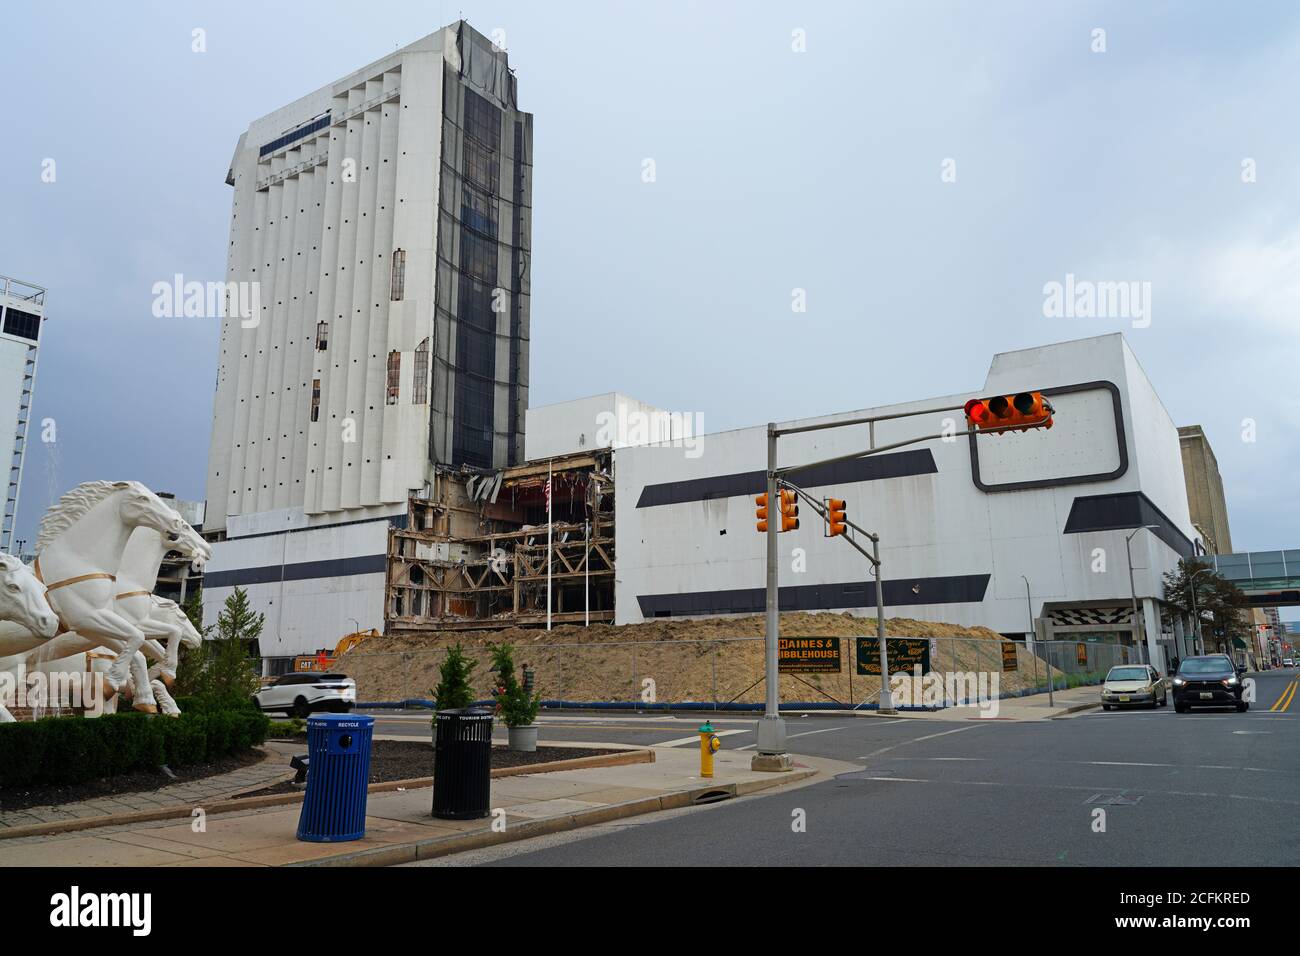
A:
(886, 699)
(770, 752)
(1029, 605)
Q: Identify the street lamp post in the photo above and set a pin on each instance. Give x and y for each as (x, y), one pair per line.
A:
(1196, 617)
(1138, 623)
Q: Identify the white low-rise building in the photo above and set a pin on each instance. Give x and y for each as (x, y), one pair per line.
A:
(986, 530)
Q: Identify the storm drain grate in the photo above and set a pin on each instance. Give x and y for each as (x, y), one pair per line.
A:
(711, 796)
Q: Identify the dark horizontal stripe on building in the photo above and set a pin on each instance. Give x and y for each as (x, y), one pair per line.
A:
(1122, 511)
(302, 571)
(896, 465)
(955, 589)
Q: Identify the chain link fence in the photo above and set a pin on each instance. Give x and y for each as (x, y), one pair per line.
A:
(727, 673)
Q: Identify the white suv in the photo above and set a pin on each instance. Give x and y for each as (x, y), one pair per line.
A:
(300, 694)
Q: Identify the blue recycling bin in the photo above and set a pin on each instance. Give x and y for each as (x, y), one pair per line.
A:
(338, 774)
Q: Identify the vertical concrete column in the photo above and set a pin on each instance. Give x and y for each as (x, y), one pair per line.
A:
(1151, 624)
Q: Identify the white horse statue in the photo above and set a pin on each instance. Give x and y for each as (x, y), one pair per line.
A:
(137, 574)
(80, 548)
(166, 614)
(23, 607)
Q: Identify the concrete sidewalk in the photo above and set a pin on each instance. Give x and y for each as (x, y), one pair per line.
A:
(399, 824)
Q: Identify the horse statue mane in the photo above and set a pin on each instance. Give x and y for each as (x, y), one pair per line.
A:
(65, 512)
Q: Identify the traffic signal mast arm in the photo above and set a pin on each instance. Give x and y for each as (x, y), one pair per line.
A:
(877, 449)
(821, 510)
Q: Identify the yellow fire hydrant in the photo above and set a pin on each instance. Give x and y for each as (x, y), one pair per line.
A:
(709, 745)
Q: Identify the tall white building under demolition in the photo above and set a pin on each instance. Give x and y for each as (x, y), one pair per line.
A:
(22, 308)
(383, 223)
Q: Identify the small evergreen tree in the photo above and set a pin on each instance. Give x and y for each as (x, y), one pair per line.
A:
(516, 707)
(454, 691)
(222, 672)
(193, 608)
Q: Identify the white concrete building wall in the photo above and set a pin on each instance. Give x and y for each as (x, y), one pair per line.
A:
(316, 224)
(611, 420)
(312, 584)
(942, 536)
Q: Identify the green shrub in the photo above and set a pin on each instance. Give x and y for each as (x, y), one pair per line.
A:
(65, 750)
(286, 728)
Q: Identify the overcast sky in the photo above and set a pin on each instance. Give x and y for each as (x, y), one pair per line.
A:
(776, 169)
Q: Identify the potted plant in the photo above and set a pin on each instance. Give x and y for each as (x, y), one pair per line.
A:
(516, 705)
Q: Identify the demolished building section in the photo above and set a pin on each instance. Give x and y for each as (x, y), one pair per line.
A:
(474, 552)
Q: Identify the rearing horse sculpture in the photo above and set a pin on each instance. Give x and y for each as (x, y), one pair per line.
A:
(137, 574)
(79, 550)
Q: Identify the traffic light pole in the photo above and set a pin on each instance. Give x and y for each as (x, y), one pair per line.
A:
(886, 703)
(770, 753)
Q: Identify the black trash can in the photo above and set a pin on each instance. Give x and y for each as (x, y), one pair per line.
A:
(338, 778)
(462, 763)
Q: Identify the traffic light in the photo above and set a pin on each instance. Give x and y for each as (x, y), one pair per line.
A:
(789, 510)
(761, 511)
(835, 517)
(1022, 411)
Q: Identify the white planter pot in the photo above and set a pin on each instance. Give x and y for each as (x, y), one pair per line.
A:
(523, 738)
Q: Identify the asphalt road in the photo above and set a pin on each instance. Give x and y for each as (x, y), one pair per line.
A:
(1205, 788)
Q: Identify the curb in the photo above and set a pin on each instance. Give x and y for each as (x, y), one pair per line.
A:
(434, 847)
(1074, 709)
(232, 804)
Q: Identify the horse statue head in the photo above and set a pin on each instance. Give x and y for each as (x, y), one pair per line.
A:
(172, 613)
(189, 543)
(22, 598)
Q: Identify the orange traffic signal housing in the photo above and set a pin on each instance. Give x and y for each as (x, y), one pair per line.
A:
(789, 510)
(1021, 411)
(835, 517)
(760, 512)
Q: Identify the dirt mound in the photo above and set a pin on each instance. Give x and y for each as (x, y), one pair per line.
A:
(710, 660)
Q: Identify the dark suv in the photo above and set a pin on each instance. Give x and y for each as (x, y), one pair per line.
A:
(1209, 681)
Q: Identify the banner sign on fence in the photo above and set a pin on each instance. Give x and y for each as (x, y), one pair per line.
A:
(1009, 659)
(1081, 653)
(904, 654)
(808, 655)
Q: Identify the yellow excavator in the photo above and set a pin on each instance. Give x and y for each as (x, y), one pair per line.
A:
(323, 661)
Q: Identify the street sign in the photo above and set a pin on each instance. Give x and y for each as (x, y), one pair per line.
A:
(1009, 659)
(809, 655)
(904, 654)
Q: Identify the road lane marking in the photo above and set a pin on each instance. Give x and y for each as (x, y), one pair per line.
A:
(1283, 703)
(695, 739)
(917, 740)
(805, 733)
(1124, 763)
